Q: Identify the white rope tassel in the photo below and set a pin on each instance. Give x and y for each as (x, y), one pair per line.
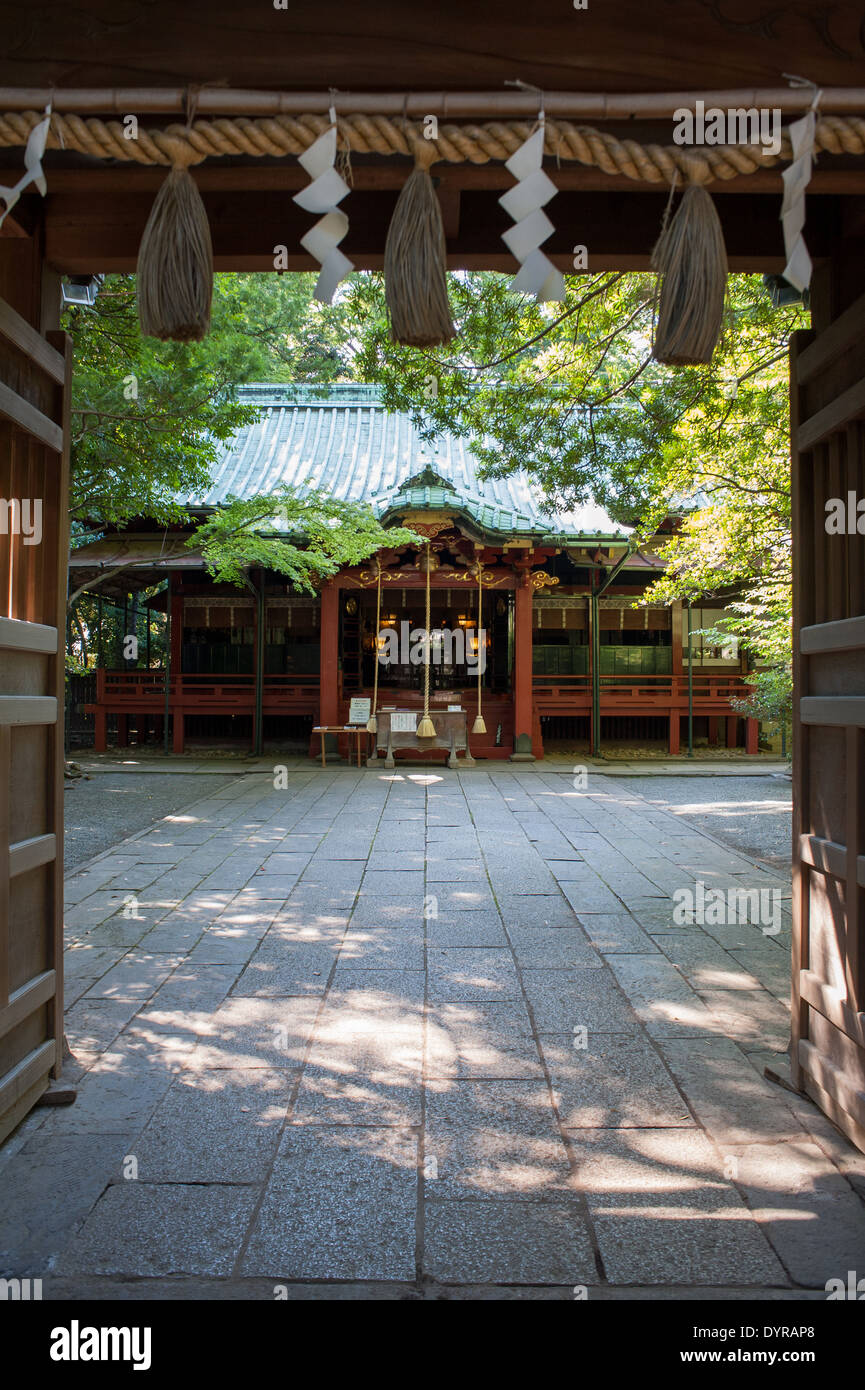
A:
(796, 178)
(525, 204)
(321, 196)
(34, 173)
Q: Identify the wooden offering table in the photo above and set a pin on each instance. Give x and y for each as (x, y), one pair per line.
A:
(323, 729)
(398, 729)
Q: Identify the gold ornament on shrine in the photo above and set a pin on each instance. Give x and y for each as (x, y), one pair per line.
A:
(541, 580)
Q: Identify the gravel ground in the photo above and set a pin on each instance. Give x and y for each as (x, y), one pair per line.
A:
(111, 806)
(751, 814)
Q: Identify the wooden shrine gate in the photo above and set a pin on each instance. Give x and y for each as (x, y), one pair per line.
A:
(92, 219)
(828, 435)
(34, 441)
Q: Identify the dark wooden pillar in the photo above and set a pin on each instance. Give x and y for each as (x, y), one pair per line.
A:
(260, 637)
(176, 647)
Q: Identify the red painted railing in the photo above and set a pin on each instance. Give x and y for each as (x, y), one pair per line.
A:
(144, 691)
(561, 694)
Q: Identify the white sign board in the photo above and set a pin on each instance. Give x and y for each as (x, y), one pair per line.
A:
(403, 722)
(359, 710)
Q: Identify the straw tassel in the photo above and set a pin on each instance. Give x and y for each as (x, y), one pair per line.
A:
(426, 728)
(175, 259)
(372, 722)
(415, 262)
(691, 261)
(479, 727)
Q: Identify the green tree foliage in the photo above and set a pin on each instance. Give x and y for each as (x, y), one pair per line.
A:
(96, 633)
(305, 536)
(571, 393)
(148, 417)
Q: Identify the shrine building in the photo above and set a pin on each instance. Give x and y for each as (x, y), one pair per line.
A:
(567, 661)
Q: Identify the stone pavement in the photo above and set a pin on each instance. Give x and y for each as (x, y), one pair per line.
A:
(427, 1034)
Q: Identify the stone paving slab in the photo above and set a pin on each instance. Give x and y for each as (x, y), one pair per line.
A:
(145, 1230)
(503, 1242)
(340, 1204)
(365, 1033)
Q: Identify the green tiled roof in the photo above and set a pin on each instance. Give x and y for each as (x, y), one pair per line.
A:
(341, 440)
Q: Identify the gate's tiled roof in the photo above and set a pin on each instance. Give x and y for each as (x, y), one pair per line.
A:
(341, 440)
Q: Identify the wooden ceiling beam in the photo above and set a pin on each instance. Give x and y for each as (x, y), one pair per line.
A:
(389, 176)
(629, 47)
(86, 236)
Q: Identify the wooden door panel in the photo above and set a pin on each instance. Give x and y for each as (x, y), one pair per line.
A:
(34, 389)
(828, 406)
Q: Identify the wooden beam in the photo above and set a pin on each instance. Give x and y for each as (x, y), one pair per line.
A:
(850, 405)
(604, 106)
(843, 635)
(28, 418)
(832, 711)
(375, 174)
(26, 339)
(843, 333)
(87, 235)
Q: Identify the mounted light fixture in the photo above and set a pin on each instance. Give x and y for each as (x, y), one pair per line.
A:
(81, 290)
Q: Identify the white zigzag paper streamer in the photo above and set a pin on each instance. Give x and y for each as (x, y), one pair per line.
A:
(796, 179)
(321, 196)
(33, 152)
(525, 203)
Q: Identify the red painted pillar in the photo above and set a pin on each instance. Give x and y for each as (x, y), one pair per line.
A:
(752, 732)
(674, 731)
(732, 730)
(100, 733)
(328, 709)
(523, 750)
(713, 729)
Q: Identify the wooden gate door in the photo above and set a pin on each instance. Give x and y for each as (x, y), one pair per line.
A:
(828, 431)
(34, 396)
